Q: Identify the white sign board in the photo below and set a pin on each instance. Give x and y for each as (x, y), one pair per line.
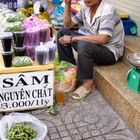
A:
(22, 91)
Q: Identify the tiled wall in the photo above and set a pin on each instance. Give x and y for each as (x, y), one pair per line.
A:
(132, 7)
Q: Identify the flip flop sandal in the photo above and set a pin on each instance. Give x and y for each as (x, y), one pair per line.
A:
(80, 93)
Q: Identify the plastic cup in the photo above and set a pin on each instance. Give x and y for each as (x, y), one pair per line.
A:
(30, 51)
(40, 57)
(52, 51)
(43, 35)
(6, 40)
(60, 97)
(19, 51)
(19, 38)
(7, 58)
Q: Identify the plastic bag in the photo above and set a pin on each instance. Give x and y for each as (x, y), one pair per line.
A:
(22, 3)
(44, 15)
(20, 61)
(13, 26)
(65, 76)
(26, 11)
(75, 7)
(56, 2)
(8, 120)
(58, 10)
(52, 48)
(13, 17)
(56, 16)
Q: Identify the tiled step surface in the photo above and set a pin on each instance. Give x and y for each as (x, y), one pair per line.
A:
(89, 119)
(132, 44)
(112, 84)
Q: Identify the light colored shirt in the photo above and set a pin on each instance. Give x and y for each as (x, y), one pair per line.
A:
(105, 21)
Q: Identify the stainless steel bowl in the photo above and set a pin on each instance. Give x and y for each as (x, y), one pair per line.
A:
(134, 58)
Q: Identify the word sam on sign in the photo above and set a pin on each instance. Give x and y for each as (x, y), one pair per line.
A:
(24, 91)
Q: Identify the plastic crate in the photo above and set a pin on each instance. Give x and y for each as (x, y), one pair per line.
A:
(127, 24)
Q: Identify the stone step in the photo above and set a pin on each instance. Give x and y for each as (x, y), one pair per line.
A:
(132, 44)
(111, 82)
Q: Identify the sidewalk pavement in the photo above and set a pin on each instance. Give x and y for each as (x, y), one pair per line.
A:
(90, 119)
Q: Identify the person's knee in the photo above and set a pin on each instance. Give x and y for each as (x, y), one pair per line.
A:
(82, 47)
(62, 32)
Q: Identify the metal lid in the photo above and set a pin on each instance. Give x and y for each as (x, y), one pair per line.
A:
(134, 58)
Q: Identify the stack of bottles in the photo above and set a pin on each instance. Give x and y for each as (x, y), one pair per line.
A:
(7, 53)
(19, 47)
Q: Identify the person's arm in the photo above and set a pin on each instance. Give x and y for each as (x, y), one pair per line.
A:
(105, 31)
(67, 17)
(95, 39)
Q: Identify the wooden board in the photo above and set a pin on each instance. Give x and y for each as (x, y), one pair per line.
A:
(34, 67)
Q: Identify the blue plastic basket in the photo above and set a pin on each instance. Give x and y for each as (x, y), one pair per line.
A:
(127, 24)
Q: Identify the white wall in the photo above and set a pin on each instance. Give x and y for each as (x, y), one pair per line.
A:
(132, 7)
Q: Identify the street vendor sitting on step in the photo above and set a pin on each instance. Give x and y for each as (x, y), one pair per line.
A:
(99, 40)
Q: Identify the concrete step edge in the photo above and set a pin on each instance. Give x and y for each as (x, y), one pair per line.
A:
(132, 44)
(111, 83)
(116, 76)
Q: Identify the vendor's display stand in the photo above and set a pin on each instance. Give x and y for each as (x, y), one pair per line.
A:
(26, 88)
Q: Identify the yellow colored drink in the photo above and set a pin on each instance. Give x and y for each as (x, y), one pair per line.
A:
(60, 96)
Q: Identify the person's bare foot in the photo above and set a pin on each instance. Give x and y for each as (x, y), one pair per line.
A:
(89, 84)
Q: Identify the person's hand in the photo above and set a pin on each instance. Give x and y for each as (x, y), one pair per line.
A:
(41, 9)
(65, 40)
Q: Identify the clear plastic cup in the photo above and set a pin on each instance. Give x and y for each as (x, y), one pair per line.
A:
(19, 51)
(52, 50)
(7, 58)
(60, 97)
(19, 38)
(6, 40)
(41, 55)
